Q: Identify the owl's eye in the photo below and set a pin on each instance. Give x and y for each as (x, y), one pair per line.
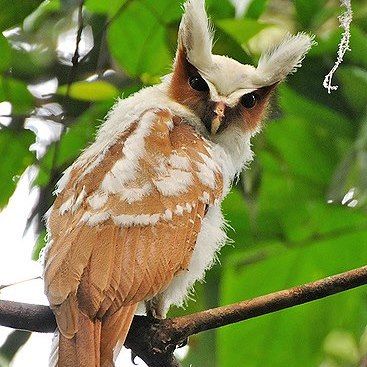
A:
(249, 100)
(198, 83)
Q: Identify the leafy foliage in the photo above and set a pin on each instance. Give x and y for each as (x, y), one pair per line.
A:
(289, 223)
(16, 157)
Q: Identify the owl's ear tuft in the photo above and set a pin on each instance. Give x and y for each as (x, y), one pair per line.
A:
(195, 35)
(284, 59)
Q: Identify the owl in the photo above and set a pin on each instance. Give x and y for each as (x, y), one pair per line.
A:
(137, 219)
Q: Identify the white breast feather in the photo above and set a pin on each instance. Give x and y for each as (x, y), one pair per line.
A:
(210, 239)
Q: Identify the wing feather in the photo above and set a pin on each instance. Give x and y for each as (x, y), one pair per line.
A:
(123, 227)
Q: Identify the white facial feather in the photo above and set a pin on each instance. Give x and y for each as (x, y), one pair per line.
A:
(283, 59)
(227, 78)
(195, 34)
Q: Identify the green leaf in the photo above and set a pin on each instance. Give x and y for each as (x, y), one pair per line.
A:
(304, 226)
(358, 46)
(138, 38)
(16, 92)
(81, 133)
(342, 346)
(328, 47)
(98, 90)
(256, 8)
(16, 157)
(323, 120)
(295, 139)
(353, 82)
(307, 11)
(77, 137)
(13, 12)
(278, 193)
(241, 30)
(39, 245)
(165, 11)
(38, 18)
(351, 171)
(220, 9)
(226, 45)
(5, 54)
(14, 341)
(292, 337)
(235, 211)
(109, 7)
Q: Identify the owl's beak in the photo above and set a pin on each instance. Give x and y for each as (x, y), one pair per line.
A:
(219, 114)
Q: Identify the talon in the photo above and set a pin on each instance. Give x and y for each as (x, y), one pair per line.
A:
(183, 343)
(133, 356)
(150, 311)
(151, 315)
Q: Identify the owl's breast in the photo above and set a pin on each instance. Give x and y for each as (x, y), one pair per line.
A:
(209, 241)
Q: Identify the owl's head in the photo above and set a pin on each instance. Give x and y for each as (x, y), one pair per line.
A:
(222, 92)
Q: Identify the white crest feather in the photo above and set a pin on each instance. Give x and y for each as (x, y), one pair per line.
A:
(283, 59)
(195, 34)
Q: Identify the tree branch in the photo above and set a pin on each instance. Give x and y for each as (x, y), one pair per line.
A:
(75, 58)
(155, 340)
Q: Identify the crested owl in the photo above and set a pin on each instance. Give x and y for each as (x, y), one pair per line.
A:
(137, 219)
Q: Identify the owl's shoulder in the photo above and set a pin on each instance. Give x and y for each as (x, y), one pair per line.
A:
(158, 167)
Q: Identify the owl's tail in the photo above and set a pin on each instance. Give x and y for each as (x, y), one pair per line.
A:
(114, 332)
(96, 343)
(83, 350)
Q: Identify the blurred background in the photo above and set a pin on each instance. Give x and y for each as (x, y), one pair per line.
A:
(298, 213)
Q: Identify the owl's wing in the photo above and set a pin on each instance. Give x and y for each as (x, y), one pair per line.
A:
(127, 221)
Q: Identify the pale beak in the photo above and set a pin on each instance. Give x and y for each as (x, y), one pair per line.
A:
(219, 112)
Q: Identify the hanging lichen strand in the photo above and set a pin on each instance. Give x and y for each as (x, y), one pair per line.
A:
(345, 20)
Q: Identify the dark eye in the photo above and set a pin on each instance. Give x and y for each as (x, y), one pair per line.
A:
(249, 100)
(198, 83)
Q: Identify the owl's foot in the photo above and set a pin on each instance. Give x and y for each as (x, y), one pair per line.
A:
(183, 343)
(154, 309)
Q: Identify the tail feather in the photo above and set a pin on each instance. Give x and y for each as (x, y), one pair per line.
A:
(83, 350)
(96, 343)
(54, 356)
(113, 334)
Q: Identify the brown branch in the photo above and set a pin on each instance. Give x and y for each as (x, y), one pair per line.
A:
(75, 58)
(155, 340)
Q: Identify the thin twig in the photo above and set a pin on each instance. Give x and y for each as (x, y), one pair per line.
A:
(155, 340)
(3, 286)
(75, 58)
